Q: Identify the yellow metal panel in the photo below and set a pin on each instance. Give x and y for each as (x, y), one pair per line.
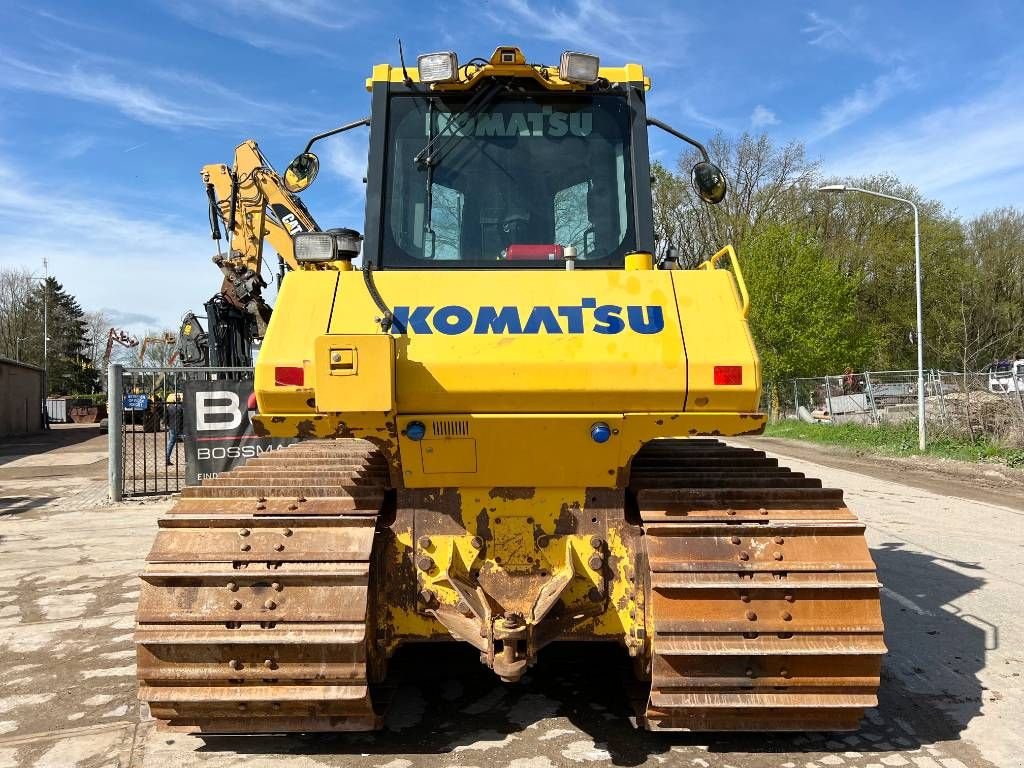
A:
(589, 341)
(520, 450)
(304, 304)
(355, 373)
(448, 455)
(711, 313)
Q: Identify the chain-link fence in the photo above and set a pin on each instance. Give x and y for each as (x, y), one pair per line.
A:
(973, 404)
(146, 424)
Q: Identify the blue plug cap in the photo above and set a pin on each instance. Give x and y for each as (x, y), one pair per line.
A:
(600, 432)
(415, 430)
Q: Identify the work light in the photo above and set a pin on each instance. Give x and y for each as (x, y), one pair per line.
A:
(315, 246)
(578, 67)
(347, 242)
(438, 67)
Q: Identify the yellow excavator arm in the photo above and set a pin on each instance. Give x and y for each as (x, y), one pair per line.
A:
(251, 200)
(254, 206)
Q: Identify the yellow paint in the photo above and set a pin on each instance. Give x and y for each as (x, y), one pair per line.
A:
(710, 305)
(354, 373)
(741, 284)
(635, 261)
(304, 310)
(541, 372)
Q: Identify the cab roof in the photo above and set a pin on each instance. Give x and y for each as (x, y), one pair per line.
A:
(498, 66)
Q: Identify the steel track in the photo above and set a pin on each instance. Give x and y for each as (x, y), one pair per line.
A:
(253, 613)
(763, 596)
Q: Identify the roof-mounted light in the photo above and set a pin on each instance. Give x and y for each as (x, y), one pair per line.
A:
(578, 67)
(438, 67)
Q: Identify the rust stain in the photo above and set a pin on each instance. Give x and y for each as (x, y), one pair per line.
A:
(483, 525)
(510, 493)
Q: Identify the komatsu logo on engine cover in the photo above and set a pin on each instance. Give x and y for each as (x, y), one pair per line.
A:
(584, 317)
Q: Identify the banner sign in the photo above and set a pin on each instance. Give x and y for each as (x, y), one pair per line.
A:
(218, 433)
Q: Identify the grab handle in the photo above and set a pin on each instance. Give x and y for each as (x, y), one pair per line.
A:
(737, 274)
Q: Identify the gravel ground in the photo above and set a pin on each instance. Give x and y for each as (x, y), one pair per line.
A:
(951, 695)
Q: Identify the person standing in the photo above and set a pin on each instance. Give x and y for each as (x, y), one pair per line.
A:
(175, 424)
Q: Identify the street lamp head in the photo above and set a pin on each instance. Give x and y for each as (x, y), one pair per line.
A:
(832, 188)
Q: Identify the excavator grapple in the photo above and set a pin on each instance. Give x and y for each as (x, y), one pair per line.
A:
(513, 430)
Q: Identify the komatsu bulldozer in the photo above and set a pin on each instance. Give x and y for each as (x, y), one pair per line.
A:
(509, 421)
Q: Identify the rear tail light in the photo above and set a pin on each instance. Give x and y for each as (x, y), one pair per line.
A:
(728, 375)
(289, 376)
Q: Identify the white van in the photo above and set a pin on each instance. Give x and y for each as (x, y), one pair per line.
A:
(1006, 376)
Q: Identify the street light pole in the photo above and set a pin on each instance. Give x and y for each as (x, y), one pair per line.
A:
(921, 436)
(46, 330)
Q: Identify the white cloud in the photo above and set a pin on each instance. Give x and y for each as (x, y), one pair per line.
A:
(247, 21)
(315, 13)
(762, 116)
(590, 25)
(136, 102)
(92, 79)
(862, 102)
(149, 266)
(346, 156)
(969, 155)
(849, 37)
(74, 146)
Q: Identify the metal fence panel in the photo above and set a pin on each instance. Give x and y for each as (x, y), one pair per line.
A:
(972, 404)
(143, 459)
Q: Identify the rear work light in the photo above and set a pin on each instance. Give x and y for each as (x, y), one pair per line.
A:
(728, 375)
(438, 67)
(578, 67)
(289, 376)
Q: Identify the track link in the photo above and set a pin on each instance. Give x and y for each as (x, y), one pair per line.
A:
(253, 612)
(764, 601)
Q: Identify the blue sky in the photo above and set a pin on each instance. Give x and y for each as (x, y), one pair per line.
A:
(108, 110)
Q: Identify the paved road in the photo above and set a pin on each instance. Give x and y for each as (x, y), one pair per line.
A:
(951, 697)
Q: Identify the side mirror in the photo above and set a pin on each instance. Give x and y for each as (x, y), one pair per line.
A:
(301, 172)
(708, 182)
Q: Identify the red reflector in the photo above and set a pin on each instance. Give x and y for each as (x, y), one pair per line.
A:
(289, 376)
(728, 374)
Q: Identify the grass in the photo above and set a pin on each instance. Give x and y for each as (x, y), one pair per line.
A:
(897, 440)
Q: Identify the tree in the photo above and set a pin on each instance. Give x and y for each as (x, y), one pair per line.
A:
(18, 331)
(69, 369)
(803, 312)
(767, 184)
(97, 327)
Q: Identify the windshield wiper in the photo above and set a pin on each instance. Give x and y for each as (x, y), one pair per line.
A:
(474, 107)
(431, 155)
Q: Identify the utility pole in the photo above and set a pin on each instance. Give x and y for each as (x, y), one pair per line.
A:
(46, 340)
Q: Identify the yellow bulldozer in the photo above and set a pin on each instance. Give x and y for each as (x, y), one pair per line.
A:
(509, 417)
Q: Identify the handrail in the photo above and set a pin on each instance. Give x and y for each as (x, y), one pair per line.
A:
(736, 271)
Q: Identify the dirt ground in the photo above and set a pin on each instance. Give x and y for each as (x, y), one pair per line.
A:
(949, 550)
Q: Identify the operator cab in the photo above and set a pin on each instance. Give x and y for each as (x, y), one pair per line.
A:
(504, 164)
(512, 184)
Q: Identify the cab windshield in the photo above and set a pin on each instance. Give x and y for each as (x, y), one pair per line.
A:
(511, 185)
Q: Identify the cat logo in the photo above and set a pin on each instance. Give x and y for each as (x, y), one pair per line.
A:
(288, 219)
